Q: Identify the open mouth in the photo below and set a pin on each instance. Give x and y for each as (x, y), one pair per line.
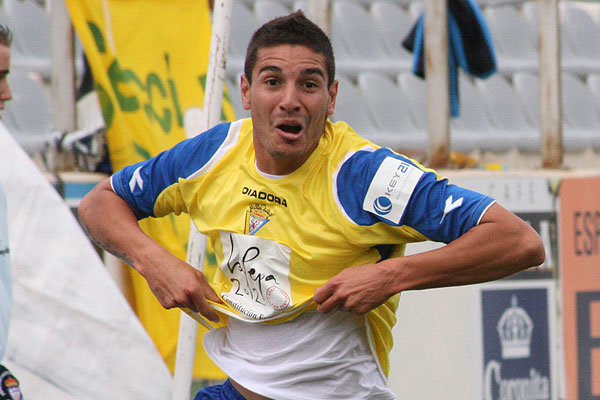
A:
(290, 128)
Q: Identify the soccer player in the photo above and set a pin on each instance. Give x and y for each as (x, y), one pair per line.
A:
(9, 386)
(309, 222)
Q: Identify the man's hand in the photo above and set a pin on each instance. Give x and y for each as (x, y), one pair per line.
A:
(356, 289)
(177, 284)
(111, 223)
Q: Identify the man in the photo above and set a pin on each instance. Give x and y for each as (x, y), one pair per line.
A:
(5, 42)
(308, 222)
(9, 386)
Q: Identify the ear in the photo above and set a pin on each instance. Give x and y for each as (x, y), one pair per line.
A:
(245, 89)
(332, 96)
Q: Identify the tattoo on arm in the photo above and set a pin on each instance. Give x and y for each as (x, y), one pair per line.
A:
(106, 246)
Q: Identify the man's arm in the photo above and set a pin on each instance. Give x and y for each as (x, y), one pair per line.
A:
(110, 222)
(500, 245)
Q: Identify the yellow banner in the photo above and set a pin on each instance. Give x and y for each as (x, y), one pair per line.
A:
(149, 60)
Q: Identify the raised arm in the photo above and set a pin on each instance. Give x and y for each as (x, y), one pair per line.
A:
(500, 245)
(110, 222)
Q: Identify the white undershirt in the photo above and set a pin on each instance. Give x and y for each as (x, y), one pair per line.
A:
(315, 356)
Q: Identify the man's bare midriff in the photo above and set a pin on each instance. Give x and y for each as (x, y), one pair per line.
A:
(247, 393)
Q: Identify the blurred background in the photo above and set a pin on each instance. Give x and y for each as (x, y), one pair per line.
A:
(101, 84)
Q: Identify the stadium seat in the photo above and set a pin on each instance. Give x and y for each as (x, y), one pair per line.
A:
(569, 60)
(581, 114)
(389, 110)
(473, 128)
(581, 38)
(392, 24)
(507, 113)
(28, 116)
(300, 5)
(236, 98)
(355, 42)
(245, 23)
(352, 108)
(266, 10)
(527, 88)
(3, 17)
(593, 82)
(415, 9)
(415, 90)
(31, 49)
(514, 39)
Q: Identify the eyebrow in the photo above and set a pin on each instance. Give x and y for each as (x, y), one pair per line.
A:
(304, 72)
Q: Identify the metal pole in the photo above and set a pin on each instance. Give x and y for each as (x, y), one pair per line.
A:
(62, 84)
(549, 82)
(436, 68)
(211, 113)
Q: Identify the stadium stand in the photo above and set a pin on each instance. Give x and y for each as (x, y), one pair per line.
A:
(233, 85)
(392, 23)
(473, 128)
(358, 45)
(352, 108)
(239, 36)
(508, 115)
(387, 100)
(416, 93)
(593, 82)
(30, 22)
(581, 37)
(28, 115)
(266, 10)
(388, 109)
(569, 60)
(581, 114)
(514, 39)
(526, 86)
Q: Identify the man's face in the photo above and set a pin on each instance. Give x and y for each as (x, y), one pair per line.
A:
(5, 93)
(289, 101)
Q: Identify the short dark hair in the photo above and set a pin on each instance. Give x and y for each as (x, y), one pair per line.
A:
(6, 36)
(293, 29)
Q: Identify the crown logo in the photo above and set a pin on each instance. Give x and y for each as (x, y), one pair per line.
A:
(514, 329)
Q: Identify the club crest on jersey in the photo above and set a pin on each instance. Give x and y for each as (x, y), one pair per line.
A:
(256, 217)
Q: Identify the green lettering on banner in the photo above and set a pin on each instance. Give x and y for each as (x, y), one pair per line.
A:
(174, 95)
(98, 36)
(116, 75)
(145, 154)
(106, 105)
(131, 103)
(165, 121)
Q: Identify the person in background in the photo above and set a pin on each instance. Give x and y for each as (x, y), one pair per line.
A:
(5, 42)
(309, 222)
(9, 386)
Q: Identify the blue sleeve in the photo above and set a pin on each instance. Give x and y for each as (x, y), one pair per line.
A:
(140, 184)
(382, 186)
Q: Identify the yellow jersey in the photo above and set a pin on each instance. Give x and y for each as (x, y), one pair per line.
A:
(278, 238)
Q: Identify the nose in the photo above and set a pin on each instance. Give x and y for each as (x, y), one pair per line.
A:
(5, 92)
(290, 100)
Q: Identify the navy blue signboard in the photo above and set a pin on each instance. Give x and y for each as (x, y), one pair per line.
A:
(516, 344)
